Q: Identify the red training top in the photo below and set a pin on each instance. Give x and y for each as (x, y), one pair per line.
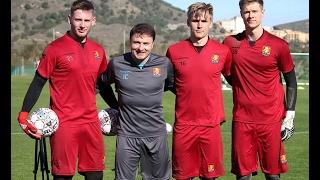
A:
(199, 99)
(258, 94)
(72, 70)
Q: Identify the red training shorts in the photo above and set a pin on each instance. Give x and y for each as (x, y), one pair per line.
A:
(83, 144)
(253, 143)
(197, 151)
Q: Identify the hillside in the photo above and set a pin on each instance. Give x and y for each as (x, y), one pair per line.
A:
(41, 21)
(302, 26)
(34, 23)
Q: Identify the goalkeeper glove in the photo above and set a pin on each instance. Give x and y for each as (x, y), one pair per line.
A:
(287, 127)
(27, 127)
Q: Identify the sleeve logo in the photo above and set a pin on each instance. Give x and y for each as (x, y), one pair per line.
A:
(97, 55)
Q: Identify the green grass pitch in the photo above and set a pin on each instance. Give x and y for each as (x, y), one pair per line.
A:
(22, 147)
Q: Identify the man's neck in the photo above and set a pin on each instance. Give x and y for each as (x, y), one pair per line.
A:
(77, 38)
(199, 42)
(254, 34)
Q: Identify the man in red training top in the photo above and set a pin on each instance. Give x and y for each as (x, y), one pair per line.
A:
(198, 61)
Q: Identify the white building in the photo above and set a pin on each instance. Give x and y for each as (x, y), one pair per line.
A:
(235, 25)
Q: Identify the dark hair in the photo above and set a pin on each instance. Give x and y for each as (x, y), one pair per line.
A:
(143, 28)
(243, 2)
(81, 4)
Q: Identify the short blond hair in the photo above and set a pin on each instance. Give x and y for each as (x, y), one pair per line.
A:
(196, 9)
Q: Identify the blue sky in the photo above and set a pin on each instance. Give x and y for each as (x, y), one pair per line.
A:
(276, 11)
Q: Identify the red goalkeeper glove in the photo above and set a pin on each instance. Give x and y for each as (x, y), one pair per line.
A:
(27, 127)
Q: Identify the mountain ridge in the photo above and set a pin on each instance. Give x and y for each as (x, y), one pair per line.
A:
(38, 22)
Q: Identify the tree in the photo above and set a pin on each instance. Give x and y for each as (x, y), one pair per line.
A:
(32, 51)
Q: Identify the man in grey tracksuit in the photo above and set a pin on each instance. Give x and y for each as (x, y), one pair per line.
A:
(140, 79)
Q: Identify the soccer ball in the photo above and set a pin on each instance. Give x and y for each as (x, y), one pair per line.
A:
(108, 120)
(45, 120)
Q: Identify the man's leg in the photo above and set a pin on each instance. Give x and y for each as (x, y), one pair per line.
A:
(96, 175)
(62, 177)
(272, 177)
(247, 177)
(202, 178)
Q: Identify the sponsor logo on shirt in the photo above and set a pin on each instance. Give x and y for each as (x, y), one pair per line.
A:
(68, 57)
(156, 71)
(234, 50)
(181, 61)
(124, 74)
(215, 59)
(96, 55)
(266, 50)
(210, 167)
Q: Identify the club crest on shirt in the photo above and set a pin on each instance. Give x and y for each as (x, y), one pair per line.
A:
(156, 71)
(210, 167)
(266, 50)
(283, 158)
(97, 55)
(215, 59)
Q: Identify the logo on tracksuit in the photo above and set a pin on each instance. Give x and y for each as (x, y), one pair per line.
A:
(156, 71)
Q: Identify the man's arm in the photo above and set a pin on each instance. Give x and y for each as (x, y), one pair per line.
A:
(169, 82)
(228, 79)
(291, 90)
(29, 101)
(33, 92)
(287, 127)
(107, 94)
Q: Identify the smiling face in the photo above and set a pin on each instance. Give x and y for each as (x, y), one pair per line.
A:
(141, 46)
(252, 14)
(81, 22)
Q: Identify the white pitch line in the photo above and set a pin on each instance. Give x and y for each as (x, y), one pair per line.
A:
(299, 132)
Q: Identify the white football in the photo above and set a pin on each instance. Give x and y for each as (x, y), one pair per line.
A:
(169, 128)
(108, 121)
(45, 120)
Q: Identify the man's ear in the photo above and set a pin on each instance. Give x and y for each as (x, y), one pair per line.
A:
(69, 19)
(188, 21)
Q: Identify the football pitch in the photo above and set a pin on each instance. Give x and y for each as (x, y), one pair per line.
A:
(23, 147)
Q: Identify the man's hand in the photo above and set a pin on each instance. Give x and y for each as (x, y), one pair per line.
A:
(287, 127)
(28, 128)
